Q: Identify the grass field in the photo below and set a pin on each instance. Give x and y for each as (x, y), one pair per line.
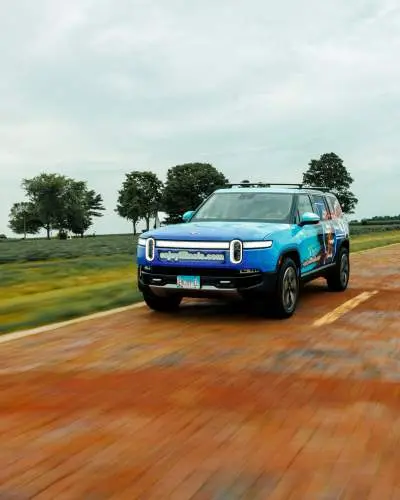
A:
(37, 250)
(374, 240)
(42, 292)
(34, 292)
(360, 229)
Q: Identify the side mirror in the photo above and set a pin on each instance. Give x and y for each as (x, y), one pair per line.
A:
(309, 218)
(187, 216)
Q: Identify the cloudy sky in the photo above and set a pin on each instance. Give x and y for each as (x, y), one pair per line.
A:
(96, 88)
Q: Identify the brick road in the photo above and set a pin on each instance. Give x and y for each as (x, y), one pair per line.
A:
(212, 403)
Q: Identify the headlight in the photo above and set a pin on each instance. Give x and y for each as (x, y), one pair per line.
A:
(248, 245)
(150, 249)
(142, 242)
(236, 251)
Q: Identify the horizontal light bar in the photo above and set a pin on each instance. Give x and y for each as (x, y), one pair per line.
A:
(209, 245)
(257, 244)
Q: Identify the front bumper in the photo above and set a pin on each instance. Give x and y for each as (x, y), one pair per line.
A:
(162, 280)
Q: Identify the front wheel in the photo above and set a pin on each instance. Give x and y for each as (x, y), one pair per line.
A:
(287, 290)
(338, 278)
(161, 304)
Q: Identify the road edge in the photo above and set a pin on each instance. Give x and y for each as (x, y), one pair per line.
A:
(6, 337)
(360, 252)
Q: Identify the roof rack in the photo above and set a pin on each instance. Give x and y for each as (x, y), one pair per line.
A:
(318, 188)
(270, 184)
(283, 184)
(263, 184)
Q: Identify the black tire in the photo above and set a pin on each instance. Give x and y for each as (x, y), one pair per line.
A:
(287, 290)
(338, 278)
(161, 304)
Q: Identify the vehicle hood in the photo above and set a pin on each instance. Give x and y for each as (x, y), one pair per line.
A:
(216, 231)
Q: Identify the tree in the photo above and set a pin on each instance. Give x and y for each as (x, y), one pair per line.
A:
(81, 205)
(187, 186)
(139, 197)
(128, 207)
(330, 172)
(46, 192)
(23, 219)
(62, 203)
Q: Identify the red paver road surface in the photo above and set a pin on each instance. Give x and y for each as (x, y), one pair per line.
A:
(212, 403)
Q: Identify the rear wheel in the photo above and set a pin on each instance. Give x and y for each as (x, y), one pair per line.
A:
(161, 304)
(338, 278)
(287, 290)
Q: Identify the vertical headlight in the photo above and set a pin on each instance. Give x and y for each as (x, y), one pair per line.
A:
(236, 251)
(150, 249)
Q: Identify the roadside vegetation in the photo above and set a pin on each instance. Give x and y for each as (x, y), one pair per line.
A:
(54, 202)
(375, 240)
(41, 249)
(38, 293)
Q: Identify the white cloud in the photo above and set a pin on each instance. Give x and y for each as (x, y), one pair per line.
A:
(94, 88)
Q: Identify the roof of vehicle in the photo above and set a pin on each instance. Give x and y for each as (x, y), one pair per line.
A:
(273, 188)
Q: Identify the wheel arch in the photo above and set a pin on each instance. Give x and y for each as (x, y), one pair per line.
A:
(291, 253)
(345, 243)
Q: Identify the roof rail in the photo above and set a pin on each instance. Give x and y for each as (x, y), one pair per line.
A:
(270, 184)
(318, 188)
(263, 184)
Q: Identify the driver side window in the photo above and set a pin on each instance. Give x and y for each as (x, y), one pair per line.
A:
(303, 205)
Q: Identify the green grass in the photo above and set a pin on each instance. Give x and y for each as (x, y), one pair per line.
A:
(359, 229)
(374, 240)
(40, 249)
(44, 308)
(34, 293)
(38, 293)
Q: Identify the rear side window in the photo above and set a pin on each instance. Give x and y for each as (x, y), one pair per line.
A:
(334, 207)
(320, 207)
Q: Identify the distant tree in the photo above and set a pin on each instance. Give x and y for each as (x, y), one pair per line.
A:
(330, 172)
(60, 202)
(187, 186)
(386, 218)
(46, 192)
(139, 197)
(128, 207)
(23, 219)
(81, 206)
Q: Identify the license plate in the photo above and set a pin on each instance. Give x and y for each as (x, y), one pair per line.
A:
(190, 282)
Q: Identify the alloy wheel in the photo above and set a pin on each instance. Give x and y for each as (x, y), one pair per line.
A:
(289, 289)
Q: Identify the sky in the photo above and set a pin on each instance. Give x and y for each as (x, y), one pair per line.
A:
(93, 89)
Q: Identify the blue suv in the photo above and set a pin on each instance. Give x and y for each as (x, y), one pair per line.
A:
(258, 242)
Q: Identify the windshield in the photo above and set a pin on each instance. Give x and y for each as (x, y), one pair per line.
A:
(246, 206)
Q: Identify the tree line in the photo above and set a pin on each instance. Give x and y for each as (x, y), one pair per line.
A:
(57, 202)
